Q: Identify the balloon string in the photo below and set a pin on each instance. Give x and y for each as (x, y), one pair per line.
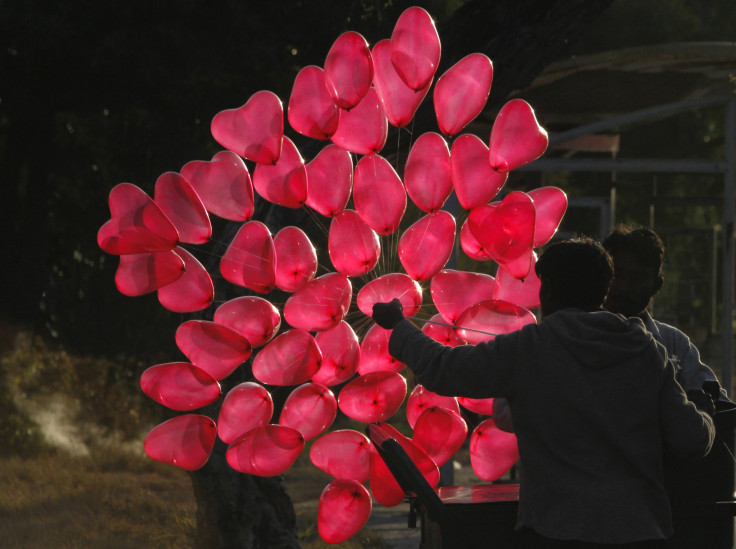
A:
(450, 325)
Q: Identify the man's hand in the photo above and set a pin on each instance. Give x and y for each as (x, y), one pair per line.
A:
(702, 400)
(388, 315)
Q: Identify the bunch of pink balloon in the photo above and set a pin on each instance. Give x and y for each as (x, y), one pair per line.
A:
(348, 104)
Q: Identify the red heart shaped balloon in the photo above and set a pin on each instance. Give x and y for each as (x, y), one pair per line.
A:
(482, 406)
(217, 349)
(454, 291)
(253, 317)
(440, 432)
(340, 354)
(180, 386)
(140, 274)
(296, 259)
(378, 194)
(223, 184)
(254, 131)
(427, 173)
(330, 180)
(343, 509)
(372, 397)
(312, 111)
(343, 454)
(283, 182)
(426, 246)
(385, 288)
(250, 259)
(415, 47)
(364, 128)
(320, 304)
(422, 399)
(265, 451)
(182, 205)
(438, 329)
(470, 245)
(516, 137)
(348, 69)
(310, 409)
(399, 101)
(550, 204)
(192, 291)
(292, 358)
(487, 319)
(474, 180)
(492, 451)
(185, 441)
(523, 292)
(353, 246)
(374, 355)
(245, 407)
(461, 92)
(137, 224)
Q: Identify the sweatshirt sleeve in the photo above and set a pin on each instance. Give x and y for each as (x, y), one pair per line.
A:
(473, 371)
(688, 432)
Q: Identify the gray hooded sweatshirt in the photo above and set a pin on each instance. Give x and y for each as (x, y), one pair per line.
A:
(594, 401)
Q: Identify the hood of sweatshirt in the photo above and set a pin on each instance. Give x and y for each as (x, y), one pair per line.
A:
(599, 339)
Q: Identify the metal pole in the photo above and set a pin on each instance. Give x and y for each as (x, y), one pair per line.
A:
(728, 244)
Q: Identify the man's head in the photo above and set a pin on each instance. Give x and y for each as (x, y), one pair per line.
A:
(574, 273)
(637, 255)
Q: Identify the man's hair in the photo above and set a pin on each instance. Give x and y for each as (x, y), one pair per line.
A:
(644, 243)
(578, 273)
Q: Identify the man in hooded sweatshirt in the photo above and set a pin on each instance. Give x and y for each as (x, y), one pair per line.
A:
(594, 401)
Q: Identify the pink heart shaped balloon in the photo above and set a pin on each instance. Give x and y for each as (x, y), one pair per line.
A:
(364, 128)
(492, 451)
(524, 292)
(340, 354)
(379, 195)
(461, 92)
(140, 274)
(487, 319)
(253, 317)
(438, 329)
(426, 246)
(454, 291)
(292, 358)
(550, 204)
(180, 386)
(182, 205)
(245, 407)
(185, 441)
(353, 246)
(296, 259)
(312, 111)
(440, 432)
(343, 509)
(310, 409)
(399, 101)
(348, 69)
(265, 451)
(374, 355)
(385, 288)
(217, 349)
(427, 173)
(330, 180)
(482, 406)
(192, 291)
(474, 180)
(250, 259)
(285, 181)
(254, 131)
(343, 454)
(422, 399)
(372, 397)
(415, 48)
(320, 304)
(136, 225)
(223, 184)
(470, 245)
(505, 229)
(516, 137)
